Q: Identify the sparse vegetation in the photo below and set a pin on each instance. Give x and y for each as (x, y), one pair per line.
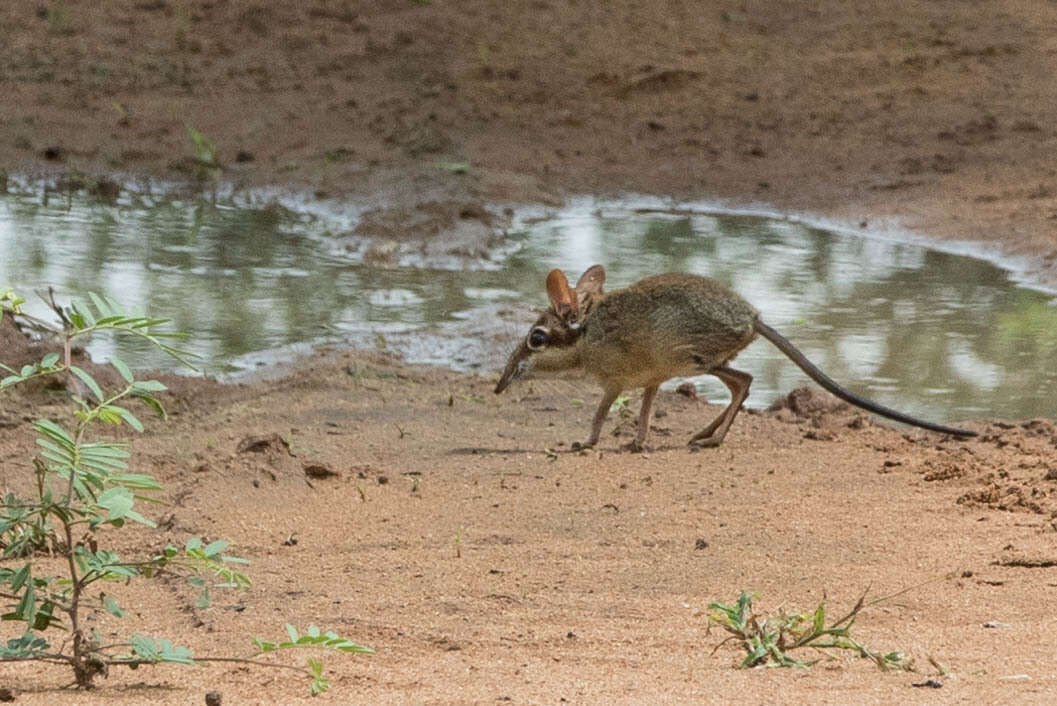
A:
(82, 490)
(455, 167)
(458, 542)
(207, 158)
(770, 641)
(620, 406)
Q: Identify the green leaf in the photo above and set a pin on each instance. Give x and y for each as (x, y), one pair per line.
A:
(314, 638)
(88, 381)
(109, 415)
(129, 418)
(264, 646)
(45, 617)
(215, 548)
(174, 653)
(102, 462)
(136, 481)
(118, 501)
(100, 305)
(109, 322)
(27, 605)
(233, 559)
(151, 402)
(144, 322)
(162, 651)
(898, 659)
(28, 646)
(19, 578)
(115, 306)
(112, 606)
(193, 544)
(49, 360)
(144, 647)
(59, 461)
(319, 682)
(122, 369)
(96, 471)
(204, 598)
(136, 517)
(106, 449)
(85, 313)
(455, 167)
(820, 618)
(149, 386)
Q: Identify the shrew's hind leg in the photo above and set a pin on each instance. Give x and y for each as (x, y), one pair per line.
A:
(648, 394)
(738, 384)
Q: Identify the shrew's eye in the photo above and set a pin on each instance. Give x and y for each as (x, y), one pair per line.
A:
(538, 338)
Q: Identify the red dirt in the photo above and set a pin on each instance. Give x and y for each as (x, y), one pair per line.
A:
(492, 563)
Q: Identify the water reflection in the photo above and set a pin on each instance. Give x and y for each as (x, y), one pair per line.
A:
(938, 335)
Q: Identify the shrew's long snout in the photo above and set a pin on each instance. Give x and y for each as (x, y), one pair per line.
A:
(516, 366)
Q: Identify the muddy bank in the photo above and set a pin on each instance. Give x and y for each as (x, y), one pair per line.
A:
(939, 117)
(455, 531)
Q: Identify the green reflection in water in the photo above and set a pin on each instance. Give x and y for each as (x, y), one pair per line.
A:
(934, 334)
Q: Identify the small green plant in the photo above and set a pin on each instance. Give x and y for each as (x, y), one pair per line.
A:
(83, 489)
(11, 302)
(620, 406)
(207, 159)
(205, 148)
(769, 642)
(312, 639)
(458, 542)
(455, 167)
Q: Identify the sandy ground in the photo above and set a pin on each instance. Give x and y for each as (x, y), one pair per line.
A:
(460, 536)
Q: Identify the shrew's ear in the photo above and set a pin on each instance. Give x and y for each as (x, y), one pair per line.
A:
(591, 281)
(563, 300)
(589, 287)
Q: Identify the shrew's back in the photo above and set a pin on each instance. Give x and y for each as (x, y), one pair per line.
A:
(665, 325)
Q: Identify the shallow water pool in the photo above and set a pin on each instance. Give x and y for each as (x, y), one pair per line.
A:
(939, 335)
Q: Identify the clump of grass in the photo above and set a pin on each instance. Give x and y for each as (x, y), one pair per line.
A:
(207, 157)
(769, 642)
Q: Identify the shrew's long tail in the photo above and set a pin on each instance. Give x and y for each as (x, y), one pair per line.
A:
(831, 385)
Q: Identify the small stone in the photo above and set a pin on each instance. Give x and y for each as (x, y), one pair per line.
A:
(318, 470)
(928, 684)
(687, 389)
